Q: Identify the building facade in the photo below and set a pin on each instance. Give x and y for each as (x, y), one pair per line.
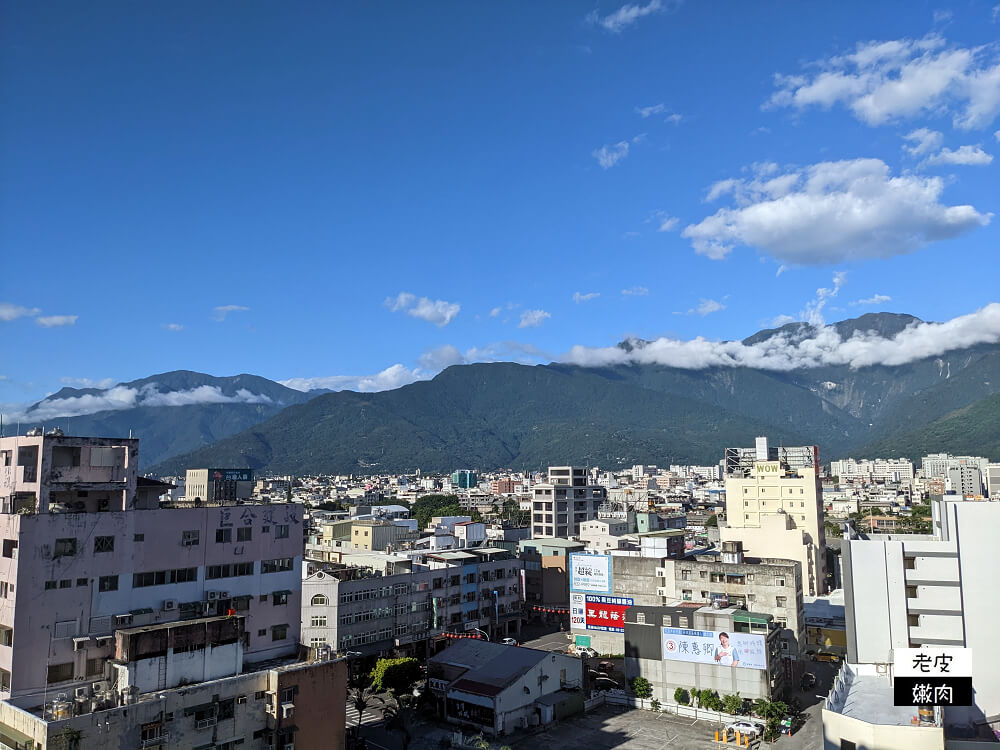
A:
(559, 506)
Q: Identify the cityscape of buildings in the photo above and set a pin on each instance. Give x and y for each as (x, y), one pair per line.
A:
(223, 609)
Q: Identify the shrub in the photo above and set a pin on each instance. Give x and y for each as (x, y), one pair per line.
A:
(654, 704)
(641, 687)
(732, 704)
(681, 696)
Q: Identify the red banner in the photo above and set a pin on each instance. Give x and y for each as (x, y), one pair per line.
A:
(606, 615)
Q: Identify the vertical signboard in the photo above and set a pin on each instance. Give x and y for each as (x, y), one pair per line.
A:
(590, 574)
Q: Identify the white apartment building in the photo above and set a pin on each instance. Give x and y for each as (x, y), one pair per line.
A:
(776, 511)
(964, 479)
(992, 477)
(906, 591)
(873, 470)
(566, 500)
(937, 464)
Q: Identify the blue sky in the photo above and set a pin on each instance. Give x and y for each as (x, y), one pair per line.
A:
(307, 190)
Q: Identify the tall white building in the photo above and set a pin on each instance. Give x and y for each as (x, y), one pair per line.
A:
(907, 591)
(559, 506)
(937, 464)
(875, 470)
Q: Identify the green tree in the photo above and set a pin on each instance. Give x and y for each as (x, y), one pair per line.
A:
(654, 704)
(732, 704)
(641, 687)
(681, 696)
(712, 701)
(767, 709)
(712, 520)
(400, 717)
(396, 676)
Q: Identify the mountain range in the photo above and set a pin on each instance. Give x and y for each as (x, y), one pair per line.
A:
(494, 415)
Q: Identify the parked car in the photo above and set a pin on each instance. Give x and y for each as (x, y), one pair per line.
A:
(750, 728)
(605, 683)
(827, 656)
(509, 641)
(606, 667)
(585, 652)
(808, 681)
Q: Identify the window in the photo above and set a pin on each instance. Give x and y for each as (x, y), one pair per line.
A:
(279, 632)
(780, 601)
(276, 566)
(685, 575)
(50, 585)
(229, 570)
(319, 600)
(139, 538)
(190, 538)
(151, 731)
(82, 581)
(244, 535)
(104, 544)
(107, 583)
(65, 547)
(281, 531)
(95, 666)
(317, 642)
(9, 547)
(66, 583)
(279, 597)
(162, 577)
(6, 636)
(781, 622)
(317, 621)
(60, 672)
(640, 617)
(4, 589)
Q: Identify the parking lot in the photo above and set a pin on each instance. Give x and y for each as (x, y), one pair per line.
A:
(635, 729)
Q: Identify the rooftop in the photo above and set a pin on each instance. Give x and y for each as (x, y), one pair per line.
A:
(859, 692)
(489, 667)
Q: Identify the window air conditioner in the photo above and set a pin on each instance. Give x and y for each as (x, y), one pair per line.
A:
(169, 604)
(212, 595)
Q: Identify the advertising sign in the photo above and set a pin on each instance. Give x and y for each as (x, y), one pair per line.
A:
(231, 475)
(933, 676)
(745, 650)
(577, 610)
(590, 573)
(606, 612)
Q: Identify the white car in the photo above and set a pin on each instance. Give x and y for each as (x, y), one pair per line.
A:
(586, 652)
(508, 641)
(745, 727)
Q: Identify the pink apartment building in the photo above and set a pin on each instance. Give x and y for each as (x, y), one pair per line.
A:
(90, 562)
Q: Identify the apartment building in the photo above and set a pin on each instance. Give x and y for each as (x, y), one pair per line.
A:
(219, 485)
(937, 464)
(546, 575)
(379, 535)
(566, 500)
(454, 591)
(775, 508)
(876, 470)
(907, 591)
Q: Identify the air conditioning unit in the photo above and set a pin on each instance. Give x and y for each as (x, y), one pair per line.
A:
(104, 640)
(213, 595)
(123, 621)
(83, 692)
(101, 687)
(79, 645)
(289, 746)
(224, 595)
(169, 604)
(287, 710)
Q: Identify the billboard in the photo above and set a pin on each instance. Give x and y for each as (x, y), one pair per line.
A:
(745, 650)
(590, 573)
(230, 475)
(596, 612)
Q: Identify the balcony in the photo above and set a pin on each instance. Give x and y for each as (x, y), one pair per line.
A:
(155, 741)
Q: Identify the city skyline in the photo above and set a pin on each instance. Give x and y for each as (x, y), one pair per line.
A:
(325, 192)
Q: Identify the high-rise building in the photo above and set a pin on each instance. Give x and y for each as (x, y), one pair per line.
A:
(774, 506)
(937, 464)
(907, 591)
(559, 506)
(464, 479)
(218, 485)
(109, 601)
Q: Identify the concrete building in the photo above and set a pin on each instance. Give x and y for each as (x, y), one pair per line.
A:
(546, 576)
(775, 509)
(992, 477)
(464, 479)
(964, 479)
(876, 470)
(559, 506)
(906, 591)
(664, 645)
(219, 485)
(937, 464)
(498, 689)
(375, 535)
(352, 609)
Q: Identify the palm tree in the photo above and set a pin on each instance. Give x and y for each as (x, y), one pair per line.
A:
(360, 698)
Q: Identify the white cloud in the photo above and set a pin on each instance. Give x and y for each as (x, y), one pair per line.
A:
(391, 377)
(709, 306)
(635, 291)
(439, 312)
(56, 321)
(219, 313)
(655, 109)
(823, 347)
(625, 16)
(924, 141)
(668, 224)
(781, 320)
(435, 360)
(674, 119)
(9, 312)
(781, 269)
(173, 327)
(103, 384)
(876, 299)
(608, 156)
(830, 212)
(578, 298)
(995, 13)
(885, 81)
(125, 397)
(813, 312)
(969, 156)
(533, 318)
(495, 311)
